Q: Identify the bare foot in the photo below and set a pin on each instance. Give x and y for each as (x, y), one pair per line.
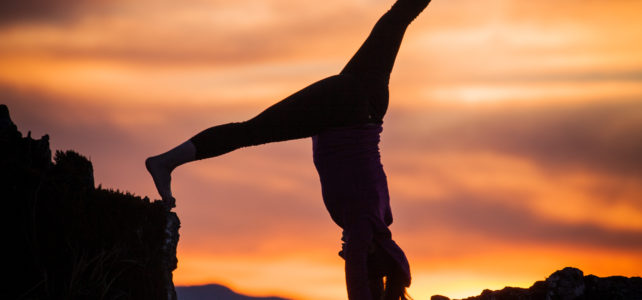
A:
(161, 174)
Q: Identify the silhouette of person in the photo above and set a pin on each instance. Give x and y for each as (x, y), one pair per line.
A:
(344, 115)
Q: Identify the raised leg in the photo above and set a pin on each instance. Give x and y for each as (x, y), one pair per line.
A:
(377, 54)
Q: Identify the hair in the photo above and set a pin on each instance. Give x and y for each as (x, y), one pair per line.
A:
(395, 288)
(385, 278)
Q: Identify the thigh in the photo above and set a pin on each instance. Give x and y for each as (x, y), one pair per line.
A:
(336, 101)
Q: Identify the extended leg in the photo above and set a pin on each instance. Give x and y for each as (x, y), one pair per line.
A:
(333, 102)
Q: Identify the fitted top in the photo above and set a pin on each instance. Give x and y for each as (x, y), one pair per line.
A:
(353, 183)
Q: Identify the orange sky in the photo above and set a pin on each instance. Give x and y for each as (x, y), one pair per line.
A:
(512, 142)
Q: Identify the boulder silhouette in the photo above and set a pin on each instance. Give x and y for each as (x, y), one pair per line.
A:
(568, 284)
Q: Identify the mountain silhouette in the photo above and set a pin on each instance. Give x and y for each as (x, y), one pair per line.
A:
(214, 292)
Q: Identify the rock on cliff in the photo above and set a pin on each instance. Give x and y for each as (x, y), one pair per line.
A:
(569, 284)
(66, 239)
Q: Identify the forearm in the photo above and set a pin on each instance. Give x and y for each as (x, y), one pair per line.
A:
(358, 241)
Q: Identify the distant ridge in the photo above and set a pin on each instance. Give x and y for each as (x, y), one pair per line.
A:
(214, 292)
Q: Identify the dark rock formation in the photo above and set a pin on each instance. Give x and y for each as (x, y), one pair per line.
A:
(569, 284)
(66, 239)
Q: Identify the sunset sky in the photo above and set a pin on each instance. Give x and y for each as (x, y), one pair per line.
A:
(512, 143)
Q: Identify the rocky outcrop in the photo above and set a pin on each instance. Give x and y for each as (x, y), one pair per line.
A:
(569, 284)
(67, 239)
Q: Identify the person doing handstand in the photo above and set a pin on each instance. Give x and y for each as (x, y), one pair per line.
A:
(344, 115)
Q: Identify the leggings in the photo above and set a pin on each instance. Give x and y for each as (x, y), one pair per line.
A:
(357, 95)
